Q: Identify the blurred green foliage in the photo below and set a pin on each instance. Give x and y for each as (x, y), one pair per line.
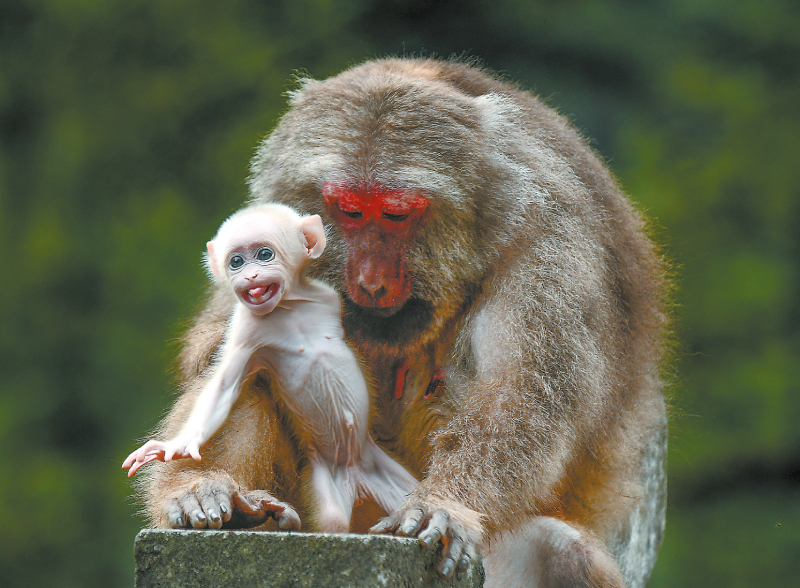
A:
(125, 133)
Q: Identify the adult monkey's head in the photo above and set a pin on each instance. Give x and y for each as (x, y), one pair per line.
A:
(403, 167)
(378, 225)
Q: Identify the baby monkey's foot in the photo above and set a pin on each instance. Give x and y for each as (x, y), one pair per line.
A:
(256, 506)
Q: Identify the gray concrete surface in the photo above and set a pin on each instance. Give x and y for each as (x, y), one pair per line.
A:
(223, 559)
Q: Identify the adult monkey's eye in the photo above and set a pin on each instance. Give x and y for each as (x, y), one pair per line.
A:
(265, 254)
(348, 209)
(395, 217)
(236, 262)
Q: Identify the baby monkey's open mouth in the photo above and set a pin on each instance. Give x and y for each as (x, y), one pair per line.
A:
(260, 294)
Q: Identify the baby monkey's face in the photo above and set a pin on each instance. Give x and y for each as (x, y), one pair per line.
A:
(260, 254)
(257, 276)
(260, 259)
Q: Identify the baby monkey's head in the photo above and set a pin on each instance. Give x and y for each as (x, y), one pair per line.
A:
(261, 251)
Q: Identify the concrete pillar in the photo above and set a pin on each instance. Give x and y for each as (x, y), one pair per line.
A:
(222, 559)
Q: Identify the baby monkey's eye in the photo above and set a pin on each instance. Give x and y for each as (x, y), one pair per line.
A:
(236, 262)
(265, 254)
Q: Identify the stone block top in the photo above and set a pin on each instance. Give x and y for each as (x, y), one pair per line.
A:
(223, 559)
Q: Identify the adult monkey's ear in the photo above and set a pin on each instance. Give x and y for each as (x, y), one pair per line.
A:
(314, 235)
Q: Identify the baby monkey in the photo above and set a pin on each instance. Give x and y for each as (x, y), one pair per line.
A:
(290, 325)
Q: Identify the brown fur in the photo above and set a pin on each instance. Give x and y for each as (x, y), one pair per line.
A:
(535, 284)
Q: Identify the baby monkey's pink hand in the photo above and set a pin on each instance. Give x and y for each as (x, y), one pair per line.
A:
(162, 450)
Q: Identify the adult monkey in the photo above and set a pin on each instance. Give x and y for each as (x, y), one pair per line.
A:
(501, 289)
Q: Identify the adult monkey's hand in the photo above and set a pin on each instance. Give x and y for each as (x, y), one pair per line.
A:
(431, 519)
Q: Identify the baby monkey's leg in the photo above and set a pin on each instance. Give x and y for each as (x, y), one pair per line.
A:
(385, 481)
(333, 495)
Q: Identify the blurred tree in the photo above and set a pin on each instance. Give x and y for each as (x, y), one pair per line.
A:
(125, 131)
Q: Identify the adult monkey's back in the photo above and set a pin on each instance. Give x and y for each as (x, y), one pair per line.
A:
(501, 290)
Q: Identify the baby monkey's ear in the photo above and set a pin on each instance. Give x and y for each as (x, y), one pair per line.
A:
(213, 264)
(314, 235)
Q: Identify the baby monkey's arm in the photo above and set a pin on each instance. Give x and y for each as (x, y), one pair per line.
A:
(211, 408)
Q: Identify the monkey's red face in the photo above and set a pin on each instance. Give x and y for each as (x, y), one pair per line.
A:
(377, 224)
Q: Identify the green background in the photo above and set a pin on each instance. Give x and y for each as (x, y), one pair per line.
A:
(126, 128)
